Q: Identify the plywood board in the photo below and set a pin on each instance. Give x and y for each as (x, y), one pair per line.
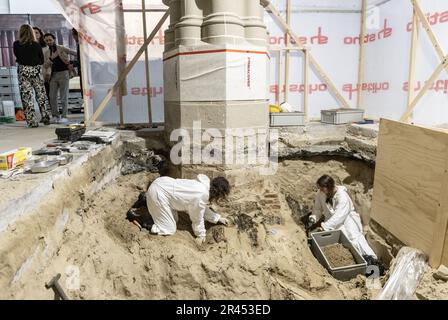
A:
(440, 229)
(445, 250)
(409, 182)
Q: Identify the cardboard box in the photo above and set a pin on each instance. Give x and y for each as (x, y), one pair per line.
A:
(13, 158)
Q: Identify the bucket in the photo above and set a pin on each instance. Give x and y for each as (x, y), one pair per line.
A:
(9, 109)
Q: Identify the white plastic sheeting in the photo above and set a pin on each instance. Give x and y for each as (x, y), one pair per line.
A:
(387, 63)
(244, 71)
(97, 23)
(324, 34)
(407, 271)
(329, 28)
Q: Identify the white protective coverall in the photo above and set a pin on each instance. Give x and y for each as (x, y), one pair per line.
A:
(166, 196)
(342, 216)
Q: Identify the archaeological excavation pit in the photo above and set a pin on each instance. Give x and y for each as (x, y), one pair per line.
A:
(80, 228)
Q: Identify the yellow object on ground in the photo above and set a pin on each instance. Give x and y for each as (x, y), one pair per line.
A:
(13, 158)
(273, 108)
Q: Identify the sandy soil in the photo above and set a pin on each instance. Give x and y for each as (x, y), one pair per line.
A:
(432, 289)
(338, 255)
(263, 255)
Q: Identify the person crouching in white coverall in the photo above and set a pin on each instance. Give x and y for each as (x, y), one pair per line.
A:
(334, 204)
(166, 196)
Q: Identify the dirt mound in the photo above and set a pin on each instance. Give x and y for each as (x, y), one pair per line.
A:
(264, 255)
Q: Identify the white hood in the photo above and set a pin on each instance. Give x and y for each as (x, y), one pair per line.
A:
(202, 178)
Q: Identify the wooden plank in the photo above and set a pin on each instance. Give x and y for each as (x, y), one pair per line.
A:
(119, 101)
(411, 79)
(121, 56)
(276, 14)
(279, 77)
(445, 249)
(425, 88)
(306, 83)
(85, 83)
(126, 71)
(287, 53)
(440, 227)
(276, 48)
(148, 81)
(409, 182)
(361, 65)
(428, 29)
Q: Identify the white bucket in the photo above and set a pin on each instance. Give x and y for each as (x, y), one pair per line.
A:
(9, 109)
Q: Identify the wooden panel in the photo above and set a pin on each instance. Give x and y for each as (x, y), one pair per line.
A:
(445, 250)
(409, 181)
(413, 54)
(361, 64)
(440, 228)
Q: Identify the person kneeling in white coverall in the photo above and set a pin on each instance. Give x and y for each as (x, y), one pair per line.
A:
(334, 204)
(166, 196)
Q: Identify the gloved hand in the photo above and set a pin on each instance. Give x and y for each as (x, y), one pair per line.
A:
(224, 221)
(200, 240)
(312, 219)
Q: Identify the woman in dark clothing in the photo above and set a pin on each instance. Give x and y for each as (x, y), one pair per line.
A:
(30, 58)
(38, 33)
(46, 69)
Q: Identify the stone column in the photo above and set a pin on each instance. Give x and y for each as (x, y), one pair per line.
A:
(175, 15)
(222, 23)
(188, 29)
(216, 85)
(254, 27)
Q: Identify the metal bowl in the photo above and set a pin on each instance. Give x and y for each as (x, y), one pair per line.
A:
(64, 159)
(44, 166)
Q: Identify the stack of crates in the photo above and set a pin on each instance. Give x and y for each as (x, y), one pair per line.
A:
(9, 86)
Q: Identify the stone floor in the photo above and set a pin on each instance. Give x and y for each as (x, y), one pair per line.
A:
(16, 135)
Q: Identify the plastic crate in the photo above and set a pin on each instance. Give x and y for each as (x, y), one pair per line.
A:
(9, 89)
(4, 119)
(8, 71)
(287, 119)
(342, 116)
(8, 108)
(322, 239)
(5, 80)
(5, 71)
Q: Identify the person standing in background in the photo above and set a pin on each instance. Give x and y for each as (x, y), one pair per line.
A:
(78, 59)
(46, 69)
(60, 77)
(30, 58)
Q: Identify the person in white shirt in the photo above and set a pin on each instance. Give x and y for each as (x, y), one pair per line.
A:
(333, 204)
(166, 196)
